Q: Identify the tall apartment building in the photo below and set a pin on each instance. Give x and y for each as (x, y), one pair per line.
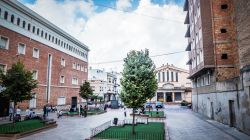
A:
(173, 85)
(214, 56)
(58, 60)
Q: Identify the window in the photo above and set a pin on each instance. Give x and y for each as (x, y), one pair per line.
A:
(224, 56)
(4, 42)
(172, 76)
(224, 6)
(6, 15)
(12, 19)
(167, 75)
(41, 33)
(24, 24)
(49, 37)
(74, 81)
(176, 78)
(62, 62)
(35, 53)
(35, 74)
(52, 38)
(61, 100)
(37, 32)
(78, 66)
(3, 68)
(29, 27)
(159, 76)
(34, 28)
(74, 66)
(82, 68)
(61, 79)
(32, 103)
(18, 21)
(86, 69)
(21, 48)
(223, 30)
(45, 35)
(163, 76)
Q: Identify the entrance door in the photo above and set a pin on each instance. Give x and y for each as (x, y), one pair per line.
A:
(212, 111)
(73, 102)
(232, 113)
(169, 97)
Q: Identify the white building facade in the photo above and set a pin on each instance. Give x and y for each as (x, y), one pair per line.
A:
(173, 85)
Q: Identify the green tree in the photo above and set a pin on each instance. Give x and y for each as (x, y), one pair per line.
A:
(138, 80)
(18, 84)
(86, 91)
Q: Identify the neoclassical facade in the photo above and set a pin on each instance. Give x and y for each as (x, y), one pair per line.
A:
(173, 85)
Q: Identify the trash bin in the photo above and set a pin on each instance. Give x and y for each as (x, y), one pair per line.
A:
(115, 121)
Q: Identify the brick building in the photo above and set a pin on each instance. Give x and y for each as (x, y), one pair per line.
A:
(58, 60)
(173, 85)
(215, 56)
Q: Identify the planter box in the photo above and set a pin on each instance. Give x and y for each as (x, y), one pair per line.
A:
(28, 133)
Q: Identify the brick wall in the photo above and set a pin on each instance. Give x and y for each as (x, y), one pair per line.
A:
(8, 57)
(225, 43)
(242, 18)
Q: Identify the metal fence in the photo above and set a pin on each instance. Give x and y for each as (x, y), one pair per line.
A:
(98, 129)
(130, 136)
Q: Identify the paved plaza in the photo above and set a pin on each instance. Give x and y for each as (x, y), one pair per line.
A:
(182, 124)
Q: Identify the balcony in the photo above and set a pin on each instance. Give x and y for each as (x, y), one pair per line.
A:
(185, 8)
(187, 19)
(188, 32)
(188, 48)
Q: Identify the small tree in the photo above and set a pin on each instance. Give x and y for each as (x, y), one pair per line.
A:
(18, 84)
(138, 82)
(85, 91)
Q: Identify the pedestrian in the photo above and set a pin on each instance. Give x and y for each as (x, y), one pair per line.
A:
(11, 111)
(44, 111)
(47, 110)
(85, 111)
(27, 113)
(18, 114)
(81, 111)
(59, 114)
(125, 112)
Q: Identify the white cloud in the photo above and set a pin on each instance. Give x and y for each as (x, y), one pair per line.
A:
(111, 34)
(123, 4)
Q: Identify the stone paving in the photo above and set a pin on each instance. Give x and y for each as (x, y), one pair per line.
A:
(183, 124)
(75, 128)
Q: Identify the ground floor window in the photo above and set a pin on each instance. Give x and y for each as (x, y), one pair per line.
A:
(32, 103)
(61, 100)
(177, 96)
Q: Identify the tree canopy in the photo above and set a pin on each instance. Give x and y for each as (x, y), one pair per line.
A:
(85, 90)
(138, 79)
(18, 83)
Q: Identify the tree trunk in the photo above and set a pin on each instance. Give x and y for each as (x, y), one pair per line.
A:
(133, 123)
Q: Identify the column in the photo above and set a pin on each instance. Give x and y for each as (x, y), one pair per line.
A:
(173, 97)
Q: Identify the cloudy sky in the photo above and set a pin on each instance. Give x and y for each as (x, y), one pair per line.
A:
(111, 28)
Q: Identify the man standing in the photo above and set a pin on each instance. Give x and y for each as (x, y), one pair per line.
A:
(18, 114)
(11, 111)
(85, 111)
(44, 111)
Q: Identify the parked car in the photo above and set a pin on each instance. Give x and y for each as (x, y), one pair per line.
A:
(148, 105)
(159, 105)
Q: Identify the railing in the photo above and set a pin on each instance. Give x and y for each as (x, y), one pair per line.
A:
(98, 129)
(128, 135)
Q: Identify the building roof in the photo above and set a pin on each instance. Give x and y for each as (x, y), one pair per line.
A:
(171, 67)
(25, 10)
